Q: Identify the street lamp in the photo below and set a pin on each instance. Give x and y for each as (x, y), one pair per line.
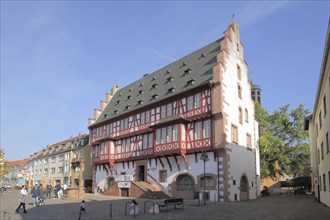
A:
(204, 157)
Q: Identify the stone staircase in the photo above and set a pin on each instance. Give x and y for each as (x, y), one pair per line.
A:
(153, 191)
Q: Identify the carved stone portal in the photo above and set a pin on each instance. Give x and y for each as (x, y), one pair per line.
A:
(76, 191)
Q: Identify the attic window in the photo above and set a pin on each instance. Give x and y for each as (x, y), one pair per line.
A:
(141, 84)
(128, 107)
(105, 115)
(129, 97)
(191, 82)
(154, 85)
(141, 92)
(140, 102)
(171, 90)
(170, 79)
(184, 64)
(116, 111)
(187, 71)
(130, 90)
(155, 96)
(168, 72)
(154, 78)
(118, 101)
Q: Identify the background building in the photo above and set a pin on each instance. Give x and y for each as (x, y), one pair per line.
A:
(53, 163)
(185, 129)
(318, 125)
(16, 175)
(256, 93)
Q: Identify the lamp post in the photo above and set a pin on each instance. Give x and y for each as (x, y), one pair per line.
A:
(204, 157)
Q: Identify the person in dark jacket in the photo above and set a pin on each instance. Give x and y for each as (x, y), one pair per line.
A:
(35, 194)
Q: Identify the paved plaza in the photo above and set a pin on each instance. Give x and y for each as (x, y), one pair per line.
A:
(98, 207)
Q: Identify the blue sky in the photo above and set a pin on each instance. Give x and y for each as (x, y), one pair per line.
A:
(59, 58)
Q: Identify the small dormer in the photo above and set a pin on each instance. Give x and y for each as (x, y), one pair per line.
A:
(154, 86)
(140, 102)
(155, 96)
(170, 79)
(191, 82)
(187, 71)
(171, 90)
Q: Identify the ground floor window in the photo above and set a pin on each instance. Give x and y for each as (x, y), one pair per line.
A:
(185, 183)
(243, 184)
(208, 181)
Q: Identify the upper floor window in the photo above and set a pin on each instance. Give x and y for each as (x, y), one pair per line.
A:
(234, 134)
(54, 159)
(198, 130)
(207, 128)
(162, 175)
(239, 91)
(320, 120)
(169, 110)
(322, 153)
(324, 105)
(327, 141)
(163, 111)
(248, 141)
(246, 116)
(190, 102)
(197, 100)
(240, 115)
(61, 157)
(239, 72)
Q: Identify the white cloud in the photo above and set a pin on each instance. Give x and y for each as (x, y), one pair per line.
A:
(153, 51)
(258, 11)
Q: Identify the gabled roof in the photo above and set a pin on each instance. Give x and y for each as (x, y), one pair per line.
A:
(180, 76)
(19, 163)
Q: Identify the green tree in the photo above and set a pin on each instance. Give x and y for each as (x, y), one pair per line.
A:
(283, 142)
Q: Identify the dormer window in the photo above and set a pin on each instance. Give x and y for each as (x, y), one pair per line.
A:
(130, 90)
(155, 96)
(203, 55)
(171, 90)
(191, 82)
(129, 97)
(141, 84)
(170, 79)
(154, 78)
(140, 102)
(105, 116)
(118, 101)
(184, 64)
(120, 94)
(154, 86)
(168, 72)
(116, 111)
(187, 71)
(128, 107)
(141, 92)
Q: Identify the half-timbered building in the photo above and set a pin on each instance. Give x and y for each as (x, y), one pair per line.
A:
(185, 129)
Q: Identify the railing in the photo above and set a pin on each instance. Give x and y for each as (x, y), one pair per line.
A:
(155, 181)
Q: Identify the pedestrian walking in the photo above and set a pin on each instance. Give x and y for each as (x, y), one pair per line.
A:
(49, 190)
(35, 194)
(82, 207)
(21, 199)
(41, 195)
(59, 191)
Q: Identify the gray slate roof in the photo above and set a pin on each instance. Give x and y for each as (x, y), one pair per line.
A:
(164, 83)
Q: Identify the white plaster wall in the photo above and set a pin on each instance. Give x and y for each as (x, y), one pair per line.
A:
(241, 161)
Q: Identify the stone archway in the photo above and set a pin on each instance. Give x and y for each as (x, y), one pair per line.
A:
(244, 188)
(184, 185)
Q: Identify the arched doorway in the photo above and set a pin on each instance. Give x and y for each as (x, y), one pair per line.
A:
(185, 186)
(244, 188)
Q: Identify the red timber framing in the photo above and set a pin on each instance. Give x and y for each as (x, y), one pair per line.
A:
(176, 127)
